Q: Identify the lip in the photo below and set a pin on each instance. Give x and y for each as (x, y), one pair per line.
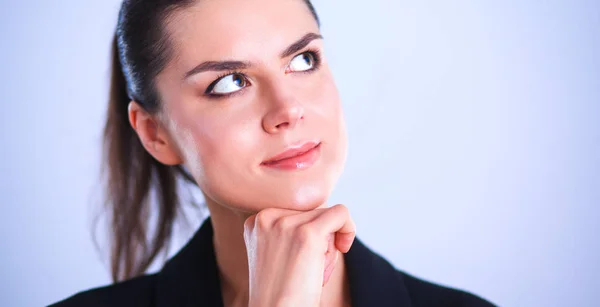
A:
(300, 156)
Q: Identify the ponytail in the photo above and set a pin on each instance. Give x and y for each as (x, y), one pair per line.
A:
(131, 174)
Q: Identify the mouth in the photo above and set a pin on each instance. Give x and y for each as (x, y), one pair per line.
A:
(297, 157)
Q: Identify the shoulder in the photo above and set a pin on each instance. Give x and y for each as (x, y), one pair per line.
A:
(136, 292)
(426, 293)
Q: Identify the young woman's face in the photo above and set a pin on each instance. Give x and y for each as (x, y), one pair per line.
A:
(248, 80)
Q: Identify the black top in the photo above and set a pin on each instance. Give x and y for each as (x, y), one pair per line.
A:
(190, 279)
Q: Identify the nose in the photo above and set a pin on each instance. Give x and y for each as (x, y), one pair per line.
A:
(285, 112)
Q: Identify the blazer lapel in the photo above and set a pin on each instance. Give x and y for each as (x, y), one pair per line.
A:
(373, 280)
(191, 277)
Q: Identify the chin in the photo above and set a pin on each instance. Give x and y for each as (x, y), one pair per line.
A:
(302, 191)
(306, 197)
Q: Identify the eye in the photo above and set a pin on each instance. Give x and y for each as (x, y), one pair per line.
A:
(302, 62)
(227, 84)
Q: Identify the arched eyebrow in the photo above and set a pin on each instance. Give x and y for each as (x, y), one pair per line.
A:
(238, 65)
(300, 44)
(217, 66)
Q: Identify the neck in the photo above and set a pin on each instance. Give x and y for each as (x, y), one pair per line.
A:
(232, 261)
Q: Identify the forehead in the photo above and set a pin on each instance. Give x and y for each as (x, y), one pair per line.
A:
(249, 30)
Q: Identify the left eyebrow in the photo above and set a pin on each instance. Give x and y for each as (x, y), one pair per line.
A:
(299, 44)
(217, 66)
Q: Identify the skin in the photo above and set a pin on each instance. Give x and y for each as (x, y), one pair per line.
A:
(223, 141)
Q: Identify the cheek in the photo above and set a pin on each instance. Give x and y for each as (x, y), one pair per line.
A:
(327, 108)
(323, 103)
(216, 149)
(324, 99)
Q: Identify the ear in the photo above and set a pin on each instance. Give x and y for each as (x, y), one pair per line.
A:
(153, 135)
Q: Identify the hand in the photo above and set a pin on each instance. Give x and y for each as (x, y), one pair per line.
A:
(292, 253)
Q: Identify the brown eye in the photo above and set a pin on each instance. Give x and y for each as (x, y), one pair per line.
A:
(239, 80)
(229, 84)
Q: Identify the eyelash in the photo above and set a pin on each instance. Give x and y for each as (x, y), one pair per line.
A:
(316, 54)
(211, 86)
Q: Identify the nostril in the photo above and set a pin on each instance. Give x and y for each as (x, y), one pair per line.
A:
(282, 125)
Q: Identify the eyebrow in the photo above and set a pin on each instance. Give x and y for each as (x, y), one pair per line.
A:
(299, 44)
(238, 65)
(217, 66)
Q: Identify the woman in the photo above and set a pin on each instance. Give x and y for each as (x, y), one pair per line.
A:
(236, 97)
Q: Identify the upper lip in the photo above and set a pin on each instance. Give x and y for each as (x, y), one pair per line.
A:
(293, 150)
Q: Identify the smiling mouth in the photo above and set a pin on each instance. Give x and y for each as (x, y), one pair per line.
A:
(295, 158)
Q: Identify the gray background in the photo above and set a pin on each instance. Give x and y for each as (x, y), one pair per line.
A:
(474, 143)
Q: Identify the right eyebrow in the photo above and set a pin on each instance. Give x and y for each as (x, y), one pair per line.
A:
(217, 66)
(300, 44)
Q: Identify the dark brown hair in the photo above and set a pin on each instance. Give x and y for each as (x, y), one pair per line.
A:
(140, 51)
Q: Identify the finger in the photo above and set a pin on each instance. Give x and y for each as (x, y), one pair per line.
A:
(249, 227)
(337, 220)
(249, 222)
(267, 218)
(293, 219)
(330, 259)
(343, 241)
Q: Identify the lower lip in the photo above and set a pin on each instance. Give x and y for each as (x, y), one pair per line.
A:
(302, 161)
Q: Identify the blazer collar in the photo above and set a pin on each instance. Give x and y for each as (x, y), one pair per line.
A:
(191, 278)
(373, 280)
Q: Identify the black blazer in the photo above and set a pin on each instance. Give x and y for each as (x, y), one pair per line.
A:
(190, 279)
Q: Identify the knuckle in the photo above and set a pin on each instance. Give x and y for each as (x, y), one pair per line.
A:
(283, 224)
(249, 223)
(341, 209)
(305, 234)
(264, 219)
